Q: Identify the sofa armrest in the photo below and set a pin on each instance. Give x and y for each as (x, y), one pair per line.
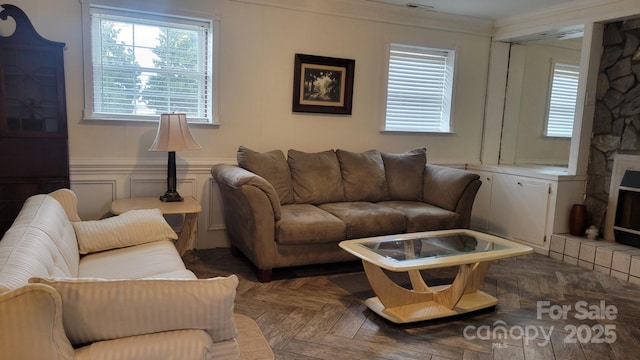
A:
(235, 177)
(451, 189)
(69, 202)
(31, 324)
(100, 309)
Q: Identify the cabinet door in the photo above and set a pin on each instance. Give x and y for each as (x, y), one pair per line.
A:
(503, 204)
(481, 211)
(532, 201)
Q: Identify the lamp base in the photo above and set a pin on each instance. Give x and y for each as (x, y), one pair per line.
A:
(171, 196)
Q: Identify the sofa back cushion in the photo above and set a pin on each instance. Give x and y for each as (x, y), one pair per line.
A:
(405, 174)
(316, 177)
(99, 309)
(363, 176)
(41, 242)
(272, 166)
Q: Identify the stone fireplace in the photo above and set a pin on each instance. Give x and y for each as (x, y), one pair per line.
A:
(616, 124)
(623, 210)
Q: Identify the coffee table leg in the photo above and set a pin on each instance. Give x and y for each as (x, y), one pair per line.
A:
(391, 294)
(399, 304)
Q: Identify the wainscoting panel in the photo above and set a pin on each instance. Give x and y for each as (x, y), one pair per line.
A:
(102, 193)
(98, 184)
(216, 214)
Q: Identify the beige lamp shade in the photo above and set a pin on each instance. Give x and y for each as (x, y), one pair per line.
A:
(174, 134)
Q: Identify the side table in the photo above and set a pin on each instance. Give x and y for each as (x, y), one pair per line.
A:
(190, 207)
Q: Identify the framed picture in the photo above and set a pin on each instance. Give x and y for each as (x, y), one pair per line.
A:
(322, 84)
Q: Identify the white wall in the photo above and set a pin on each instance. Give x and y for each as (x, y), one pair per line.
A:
(258, 40)
(527, 95)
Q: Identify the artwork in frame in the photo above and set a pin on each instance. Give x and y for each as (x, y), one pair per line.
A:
(323, 84)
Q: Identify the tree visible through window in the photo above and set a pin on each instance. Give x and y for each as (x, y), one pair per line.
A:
(144, 65)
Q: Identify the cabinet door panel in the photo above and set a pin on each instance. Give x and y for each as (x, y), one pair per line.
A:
(481, 212)
(503, 203)
(532, 200)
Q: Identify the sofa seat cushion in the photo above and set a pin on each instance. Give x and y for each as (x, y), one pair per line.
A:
(155, 259)
(364, 219)
(307, 224)
(424, 217)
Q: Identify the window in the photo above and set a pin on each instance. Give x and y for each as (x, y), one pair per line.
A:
(143, 65)
(419, 89)
(562, 100)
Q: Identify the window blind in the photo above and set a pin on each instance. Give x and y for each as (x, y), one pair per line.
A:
(562, 101)
(145, 65)
(419, 88)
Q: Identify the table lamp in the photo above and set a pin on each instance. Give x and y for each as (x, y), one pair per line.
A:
(173, 135)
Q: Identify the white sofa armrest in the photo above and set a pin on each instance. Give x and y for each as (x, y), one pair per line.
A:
(99, 309)
(31, 324)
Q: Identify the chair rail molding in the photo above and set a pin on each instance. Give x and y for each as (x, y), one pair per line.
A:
(98, 182)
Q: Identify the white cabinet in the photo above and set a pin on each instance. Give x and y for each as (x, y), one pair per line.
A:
(524, 206)
(529, 215)
(480, 213)
(519, 208)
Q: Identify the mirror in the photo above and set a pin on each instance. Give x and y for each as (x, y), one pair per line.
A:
(530, 75)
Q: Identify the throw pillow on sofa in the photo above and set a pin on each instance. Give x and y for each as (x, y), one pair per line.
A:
(363, 176)
(100, 309)
(130, 228)
(316, 177)
(272, 166)
(405, 174)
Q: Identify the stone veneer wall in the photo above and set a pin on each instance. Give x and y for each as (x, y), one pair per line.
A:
(616, 126)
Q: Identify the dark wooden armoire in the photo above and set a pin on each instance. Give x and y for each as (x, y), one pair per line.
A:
(34, 152)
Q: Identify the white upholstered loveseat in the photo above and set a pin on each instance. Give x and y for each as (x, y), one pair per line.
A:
(107, 289)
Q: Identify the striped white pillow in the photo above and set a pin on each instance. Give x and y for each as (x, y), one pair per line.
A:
(133, 227)
(99, 309)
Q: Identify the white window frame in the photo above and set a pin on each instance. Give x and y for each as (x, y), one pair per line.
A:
(444, 108)
(211, 20)
(557, 108)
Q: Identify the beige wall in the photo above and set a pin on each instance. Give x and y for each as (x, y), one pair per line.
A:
(258, 40)
(527, 95)
(257, 47)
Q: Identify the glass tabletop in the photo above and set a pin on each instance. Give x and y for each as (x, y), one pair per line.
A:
(436, 246)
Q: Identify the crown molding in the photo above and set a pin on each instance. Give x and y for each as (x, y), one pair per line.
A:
(568, 15)
(384, 13)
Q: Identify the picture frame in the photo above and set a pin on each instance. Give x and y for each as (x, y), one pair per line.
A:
(323, 84)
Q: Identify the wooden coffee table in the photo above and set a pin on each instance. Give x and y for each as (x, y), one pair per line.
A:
(470, 250)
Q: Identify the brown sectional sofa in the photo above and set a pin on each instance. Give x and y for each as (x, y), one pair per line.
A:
(282, 212)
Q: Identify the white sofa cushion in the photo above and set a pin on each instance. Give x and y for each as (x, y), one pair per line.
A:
(190, 344)
(156, 259)
(99, 309)
(133, 227)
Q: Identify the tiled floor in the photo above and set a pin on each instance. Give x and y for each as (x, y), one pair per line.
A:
(619, 261)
